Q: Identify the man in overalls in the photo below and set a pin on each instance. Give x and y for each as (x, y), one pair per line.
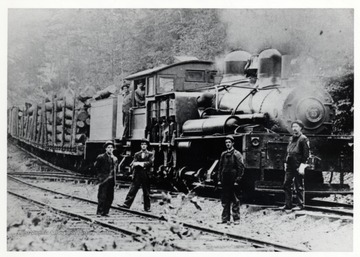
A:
(231, 170)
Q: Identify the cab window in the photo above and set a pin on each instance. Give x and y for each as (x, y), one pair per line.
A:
(195, 76)
(166, 84)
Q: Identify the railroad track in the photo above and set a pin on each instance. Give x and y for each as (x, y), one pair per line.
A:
(83, 230)
(330, 210)
(340, 209)
(313, 205)
(143, 226)
(51, 175)
(317, 202)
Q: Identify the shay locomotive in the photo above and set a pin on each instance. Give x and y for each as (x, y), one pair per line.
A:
(188, 111)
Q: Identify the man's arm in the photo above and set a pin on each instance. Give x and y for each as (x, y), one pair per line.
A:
(305, 149)
(220, 169)
(150, 161)
(97, 163)
(240, 166)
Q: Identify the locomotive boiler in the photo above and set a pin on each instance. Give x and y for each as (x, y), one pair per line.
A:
(272, 100)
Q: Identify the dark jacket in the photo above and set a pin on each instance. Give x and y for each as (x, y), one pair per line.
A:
(140, 97)
(105, 166)
(297, 150)
(231, 166)
(126, 105)
(148, 160)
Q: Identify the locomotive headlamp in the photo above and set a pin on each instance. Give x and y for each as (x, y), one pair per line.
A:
(312, 112)
(255, 141)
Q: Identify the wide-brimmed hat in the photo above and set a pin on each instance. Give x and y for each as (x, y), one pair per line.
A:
(299, 122)
(109, 143)
(144, 140)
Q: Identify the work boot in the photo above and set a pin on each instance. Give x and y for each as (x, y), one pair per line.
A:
(285, 208)
(298, 208)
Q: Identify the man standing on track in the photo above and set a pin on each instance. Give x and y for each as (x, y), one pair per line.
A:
(105, 166)
(231, 170)
(297, 153)
(143, 161)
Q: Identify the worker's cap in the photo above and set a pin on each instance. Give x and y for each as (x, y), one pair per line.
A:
(299, 122)
(230, 137)
(107, 143)
(144, 140)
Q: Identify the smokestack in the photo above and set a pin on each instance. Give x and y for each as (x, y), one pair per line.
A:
(269, 67)
(235, 63)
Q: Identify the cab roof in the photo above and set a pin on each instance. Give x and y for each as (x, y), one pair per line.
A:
(162, 67)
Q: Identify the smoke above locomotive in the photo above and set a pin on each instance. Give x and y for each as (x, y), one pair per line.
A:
(261, 89)
(322, 39)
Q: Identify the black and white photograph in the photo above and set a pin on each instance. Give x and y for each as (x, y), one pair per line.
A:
(179, 128)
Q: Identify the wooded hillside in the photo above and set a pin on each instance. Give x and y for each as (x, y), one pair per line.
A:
(51, 49)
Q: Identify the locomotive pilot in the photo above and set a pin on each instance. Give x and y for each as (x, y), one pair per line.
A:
(105, 166)
(143, 161)
(297, 153)
(231, 170)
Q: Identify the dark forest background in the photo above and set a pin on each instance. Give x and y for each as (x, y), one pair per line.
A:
(50, 50)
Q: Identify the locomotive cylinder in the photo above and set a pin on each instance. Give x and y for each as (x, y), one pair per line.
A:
(221, 124)
(209, 126)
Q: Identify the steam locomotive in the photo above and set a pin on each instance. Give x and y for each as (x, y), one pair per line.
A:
(189, 109)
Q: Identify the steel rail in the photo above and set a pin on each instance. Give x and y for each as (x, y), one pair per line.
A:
(317, 202)
(43, 174)
(329, 210)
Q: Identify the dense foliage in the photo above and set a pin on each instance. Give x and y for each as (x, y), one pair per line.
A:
(342, 91)
(59, 48)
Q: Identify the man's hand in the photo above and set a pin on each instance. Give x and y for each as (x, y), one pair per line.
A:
(141, 164)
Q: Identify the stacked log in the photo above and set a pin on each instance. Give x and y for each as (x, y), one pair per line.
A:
(63, 120)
